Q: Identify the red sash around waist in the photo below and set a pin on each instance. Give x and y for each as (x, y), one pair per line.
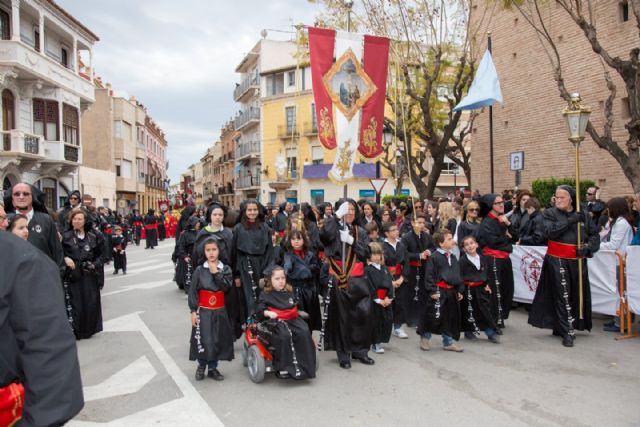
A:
(444, 285)
(395, 270)
(137, 224)
(473, 284)
(108, 230)
(285, 314)
(495, 253)
(11, 404)
(151, 226)
(356, 271)
(415, 263)
(210, 300)
(562, 250)
(381, 293)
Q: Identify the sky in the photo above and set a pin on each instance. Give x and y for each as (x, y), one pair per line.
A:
(178, 58)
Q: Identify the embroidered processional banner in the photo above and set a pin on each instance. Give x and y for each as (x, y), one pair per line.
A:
(349, 72)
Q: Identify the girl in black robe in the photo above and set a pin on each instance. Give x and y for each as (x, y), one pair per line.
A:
(251, 252)
(444, 287)
(151, 229)
(211, 332)
(185, 265)
(83, 260)
(217, 215)
(302, 268)
(381, 288)
(294, 354)
(475, 306)
(395, 255)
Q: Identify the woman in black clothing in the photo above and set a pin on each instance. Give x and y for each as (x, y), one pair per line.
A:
(533, 232)
(83, 259)
(470, 225)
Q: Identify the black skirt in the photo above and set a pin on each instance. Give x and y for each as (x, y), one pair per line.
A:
(294, 350)
(349, 326)
(442, 316)
(475, 308)
(382, 323)
(213, 338)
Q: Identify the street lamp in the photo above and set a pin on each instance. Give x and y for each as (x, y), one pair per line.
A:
(577, 118)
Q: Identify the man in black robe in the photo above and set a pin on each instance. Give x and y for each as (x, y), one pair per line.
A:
(151, 229)
(349, 324)
(559, 304)
(37, 346)
(43, 233)
(495, 241)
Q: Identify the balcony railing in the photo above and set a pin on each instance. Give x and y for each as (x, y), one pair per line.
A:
(250, 115)
(71, 153)
(21, 142)
(247, 181)
(245, 85)
(310, 128)
(247, 148)
(286, 131)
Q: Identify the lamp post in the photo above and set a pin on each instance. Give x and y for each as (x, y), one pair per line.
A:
(577, 118)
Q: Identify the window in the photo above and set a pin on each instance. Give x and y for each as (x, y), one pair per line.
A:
(64, 57)
(275, 84)
(70, 124)
(291, 78)
(624, 11)
(314, 118)
(5, 28)
(36, 39)
(117, 129)
(450, 168)
(124, 169)
(317, 197)
(317, 155)
(127, 131)
(45, 119)
(292, 162)
(290, 113)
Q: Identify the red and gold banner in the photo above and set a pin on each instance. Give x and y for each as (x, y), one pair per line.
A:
(321, 44)
(376, 63)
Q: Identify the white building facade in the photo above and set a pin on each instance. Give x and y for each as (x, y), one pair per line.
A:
(46, 82)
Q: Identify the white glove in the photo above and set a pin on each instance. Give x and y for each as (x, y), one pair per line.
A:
(346, 237)
(342, 210)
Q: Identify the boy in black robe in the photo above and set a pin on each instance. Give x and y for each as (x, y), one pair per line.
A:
(380, 285)
(476, 302)
(419, 245)
(119, 244)
(444, 286)
(395, 254)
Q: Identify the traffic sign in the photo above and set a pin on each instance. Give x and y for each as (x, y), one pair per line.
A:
(378, 183)
(517, 161)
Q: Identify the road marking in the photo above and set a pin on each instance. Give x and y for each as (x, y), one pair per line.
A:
(146, 285)
(142, 270)
(127, 381)
(190, 409)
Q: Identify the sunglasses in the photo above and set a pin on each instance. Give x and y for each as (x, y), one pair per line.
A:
(474, 210)
(21, 193)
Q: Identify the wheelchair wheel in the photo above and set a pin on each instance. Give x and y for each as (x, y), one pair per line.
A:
(245, 353)
(256, 364)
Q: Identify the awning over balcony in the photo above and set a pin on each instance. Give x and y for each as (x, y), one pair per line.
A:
(321, 171)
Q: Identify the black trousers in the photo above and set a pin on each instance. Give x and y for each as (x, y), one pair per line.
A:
(346, 357)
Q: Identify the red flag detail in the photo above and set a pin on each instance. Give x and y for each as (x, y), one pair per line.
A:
(376, 62)
(321, 46)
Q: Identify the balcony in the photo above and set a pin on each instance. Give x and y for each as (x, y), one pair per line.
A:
(287, 132)
(71, 153)
(21, 148)
(246, 118)
(246, 88)
(246, 149)
(310, 128)
(247, 181)
(33, 66)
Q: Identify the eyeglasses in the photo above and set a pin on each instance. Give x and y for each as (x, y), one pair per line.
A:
(21, 193)
(591, 194)
(73, 198)
(3, 218)
(498, 203)
(474, 210)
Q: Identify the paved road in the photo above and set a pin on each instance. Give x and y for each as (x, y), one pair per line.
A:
(137, 372)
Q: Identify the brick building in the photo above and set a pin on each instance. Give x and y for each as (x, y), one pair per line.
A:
(531, 119)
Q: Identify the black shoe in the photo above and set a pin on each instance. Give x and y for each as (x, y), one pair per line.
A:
(124, 273)
(115, 272)
(215, 375)
(199, 373)
(567, 341)
(556, 333)
(366, 360)
(345, 365)
(498, 331)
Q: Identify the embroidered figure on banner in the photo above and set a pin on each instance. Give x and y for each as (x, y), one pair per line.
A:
(369, 136)
(326, 126)
(345, 158)
(531, 268)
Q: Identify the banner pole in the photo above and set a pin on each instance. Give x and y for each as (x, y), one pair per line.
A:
(490, 126)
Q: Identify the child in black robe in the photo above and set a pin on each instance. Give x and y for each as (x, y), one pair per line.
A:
(475, 306)
(395, 254)
(444, 287)
(119, 244)
(211, 332)
(380, 285)
(294, 354)
(302, 268)
(186, 262)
